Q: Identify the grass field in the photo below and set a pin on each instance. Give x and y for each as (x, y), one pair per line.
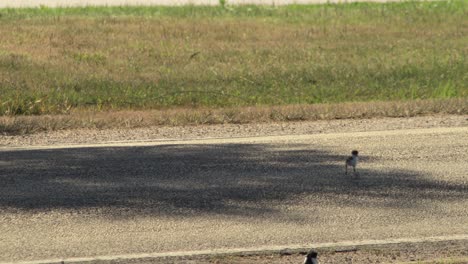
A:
(63, 60)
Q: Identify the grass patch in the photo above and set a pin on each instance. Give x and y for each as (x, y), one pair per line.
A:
(18, 125)
(60, 60)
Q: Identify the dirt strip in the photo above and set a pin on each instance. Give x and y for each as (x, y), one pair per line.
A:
(93, 136)
(418, 249)
(448, 252)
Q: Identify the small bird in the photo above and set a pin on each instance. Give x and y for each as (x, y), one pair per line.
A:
(352, 161)
(311, 257)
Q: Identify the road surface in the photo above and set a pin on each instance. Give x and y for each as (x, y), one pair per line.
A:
(166, 196)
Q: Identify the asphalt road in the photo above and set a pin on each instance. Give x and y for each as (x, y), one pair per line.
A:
(83, 201)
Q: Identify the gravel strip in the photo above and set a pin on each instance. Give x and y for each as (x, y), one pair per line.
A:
(96, 136)
(435, 252)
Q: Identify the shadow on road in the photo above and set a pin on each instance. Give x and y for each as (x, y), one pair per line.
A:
(229, 179)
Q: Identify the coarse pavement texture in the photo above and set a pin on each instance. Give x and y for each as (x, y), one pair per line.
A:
(166, 196)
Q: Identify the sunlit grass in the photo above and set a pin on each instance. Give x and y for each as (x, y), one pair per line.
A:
(55, 60)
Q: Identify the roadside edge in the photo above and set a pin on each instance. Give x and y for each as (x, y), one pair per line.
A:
(290, 249)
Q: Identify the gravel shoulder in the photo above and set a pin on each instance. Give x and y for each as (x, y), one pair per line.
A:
(96, 136)
(453, 252)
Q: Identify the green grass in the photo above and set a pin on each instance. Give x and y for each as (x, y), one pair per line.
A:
(56, 60)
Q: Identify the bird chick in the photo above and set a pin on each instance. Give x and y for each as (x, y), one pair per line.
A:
(311, 257)
(352, 161)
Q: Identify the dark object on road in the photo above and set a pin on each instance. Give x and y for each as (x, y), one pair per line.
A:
(346, 250)
(352, 161)
(311, 257)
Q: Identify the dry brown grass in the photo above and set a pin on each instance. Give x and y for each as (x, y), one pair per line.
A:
(239, 115)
